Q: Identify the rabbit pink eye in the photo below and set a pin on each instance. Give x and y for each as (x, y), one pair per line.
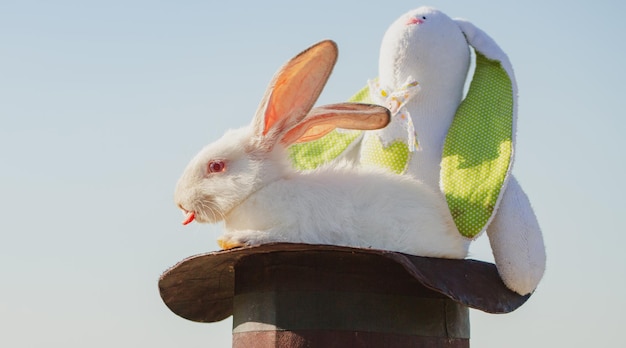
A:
(216, 166)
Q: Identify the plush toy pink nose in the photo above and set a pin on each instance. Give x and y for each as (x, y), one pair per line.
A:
(413, 20)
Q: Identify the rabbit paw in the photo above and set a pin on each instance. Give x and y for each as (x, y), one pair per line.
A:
(240, 239)
(227, 244)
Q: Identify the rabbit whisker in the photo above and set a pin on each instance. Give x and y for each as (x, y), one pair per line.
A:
(210, 211)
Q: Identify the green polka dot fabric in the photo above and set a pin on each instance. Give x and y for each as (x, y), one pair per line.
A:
(394, 157)
(315, 153)
(478, 149)
(392, 146)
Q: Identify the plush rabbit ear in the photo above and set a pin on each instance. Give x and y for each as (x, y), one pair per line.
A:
(293, 91)
(478, 151)
(322, 120)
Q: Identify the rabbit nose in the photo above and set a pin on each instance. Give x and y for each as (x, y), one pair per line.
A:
(414, 20)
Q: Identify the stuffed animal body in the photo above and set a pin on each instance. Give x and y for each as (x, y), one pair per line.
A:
(466, 143)
(461, 145)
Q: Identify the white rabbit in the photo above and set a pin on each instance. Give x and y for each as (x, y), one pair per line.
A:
(246, 179)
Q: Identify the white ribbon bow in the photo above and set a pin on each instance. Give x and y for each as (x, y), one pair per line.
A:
(401, 124)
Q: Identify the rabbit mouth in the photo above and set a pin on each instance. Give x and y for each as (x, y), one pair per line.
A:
(202, 212)
(189, 217)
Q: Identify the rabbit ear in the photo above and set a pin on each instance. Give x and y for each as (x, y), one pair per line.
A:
(478, 151)
(313, 154)
(322, 120)
(293, 91)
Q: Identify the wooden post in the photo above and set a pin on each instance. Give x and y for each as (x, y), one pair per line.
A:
(298, 295)
(326, 300)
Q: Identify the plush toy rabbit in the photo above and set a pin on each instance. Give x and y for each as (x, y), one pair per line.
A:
(459, 146)
(465, 146)
(246, 179)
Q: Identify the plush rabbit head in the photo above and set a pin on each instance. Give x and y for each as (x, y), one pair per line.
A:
(427, 45)
(243, 161)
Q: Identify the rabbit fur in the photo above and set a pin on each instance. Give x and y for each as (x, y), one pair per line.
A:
(246, 180)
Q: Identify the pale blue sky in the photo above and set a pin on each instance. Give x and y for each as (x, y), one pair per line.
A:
(103, 103)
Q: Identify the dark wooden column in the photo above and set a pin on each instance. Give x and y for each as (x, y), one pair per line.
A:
(329, 300)
(298, 295)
